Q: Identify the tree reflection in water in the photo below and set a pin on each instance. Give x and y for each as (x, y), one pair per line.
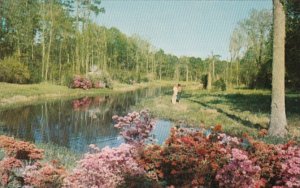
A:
(72, 123)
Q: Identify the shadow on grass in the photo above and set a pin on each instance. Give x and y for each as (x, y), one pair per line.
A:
(232, 116)
(254, 103)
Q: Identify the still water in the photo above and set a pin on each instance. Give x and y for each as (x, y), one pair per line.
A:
(79, 122)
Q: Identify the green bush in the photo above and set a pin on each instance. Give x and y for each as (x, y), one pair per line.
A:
(12, 71)
(220, 85)
(100, 76)
(204, 79)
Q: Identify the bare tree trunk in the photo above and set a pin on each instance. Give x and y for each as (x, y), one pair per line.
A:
(237, 72)
(43, 41)
(147, 66)
(105, 52)
(60, 47)
(278, 121)
(208, 87)
(50, 42)
(213, 70)
(187, 73)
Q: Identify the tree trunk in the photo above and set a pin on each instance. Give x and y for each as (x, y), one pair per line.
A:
(187, 73)
(278, 121)
(208, 87)
(213, 70)
(237, 72)
(60, 48)
(50, 43)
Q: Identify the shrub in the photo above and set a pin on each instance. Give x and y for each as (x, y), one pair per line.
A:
(188, 158)
(135, 127)
(81, 82)
(204, 80)
(290, 166)
(104, 168)
(267, 157)
(11, 70)
(43, 175)
(240, 172)
(139, 181)
(20, 166)
(7, 165)
(20, 149)
(99, 78)
(220, 85)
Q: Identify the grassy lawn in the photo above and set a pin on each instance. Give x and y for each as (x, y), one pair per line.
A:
(12, 95)
(238, 111)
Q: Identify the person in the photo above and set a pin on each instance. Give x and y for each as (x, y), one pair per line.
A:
(178, 92)
(175, 91)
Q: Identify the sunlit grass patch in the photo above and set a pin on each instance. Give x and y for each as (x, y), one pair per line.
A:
(238, 111)
(193, 114)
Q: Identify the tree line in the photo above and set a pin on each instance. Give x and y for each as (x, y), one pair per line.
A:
(251, 48)
(53, 40)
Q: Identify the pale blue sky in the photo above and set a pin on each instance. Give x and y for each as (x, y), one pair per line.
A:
(181, 27)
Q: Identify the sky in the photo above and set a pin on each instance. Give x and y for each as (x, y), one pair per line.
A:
(181, 27)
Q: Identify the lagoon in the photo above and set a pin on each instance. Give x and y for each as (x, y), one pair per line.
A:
(76, 123)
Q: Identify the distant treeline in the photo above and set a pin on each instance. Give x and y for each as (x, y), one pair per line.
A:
(54, 40)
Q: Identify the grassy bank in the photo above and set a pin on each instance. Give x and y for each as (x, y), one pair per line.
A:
(12, 95)
(238, 111)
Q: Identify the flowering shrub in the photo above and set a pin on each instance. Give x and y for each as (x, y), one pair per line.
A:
(7, 165)
(20, 149)
(43, 175)
(267, 158)
(104, 168)
(240, 172)
(290, 166)
(20, 166)
(190, 157)
(185, 159)
(99, 78)
(81, 82)
(135, 127)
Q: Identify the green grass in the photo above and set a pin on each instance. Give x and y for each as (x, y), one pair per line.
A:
(64, 155)
(238, 111)
(15, 95)
(192, 114)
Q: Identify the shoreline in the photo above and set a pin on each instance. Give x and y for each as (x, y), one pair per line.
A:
(16, 95)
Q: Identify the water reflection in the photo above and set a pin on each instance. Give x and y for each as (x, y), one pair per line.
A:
(74, 123)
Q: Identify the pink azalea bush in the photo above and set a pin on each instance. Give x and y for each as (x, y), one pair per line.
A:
(189, 157)
(290, 166)
(81, 82)
(7, 165)
(135, 127)
(104, 168)
(43, 175)
(239, 172)
(21, 167)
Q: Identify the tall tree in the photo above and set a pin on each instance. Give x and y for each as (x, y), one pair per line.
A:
(250, 39)
(278, 121)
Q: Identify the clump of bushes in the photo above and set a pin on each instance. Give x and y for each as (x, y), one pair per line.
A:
(21, 166)
(94, 79)
(212, 159)
(12, 71)
(189, 158)
(99, 78)
(104, 168)
(81, 82)
(220, 85)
